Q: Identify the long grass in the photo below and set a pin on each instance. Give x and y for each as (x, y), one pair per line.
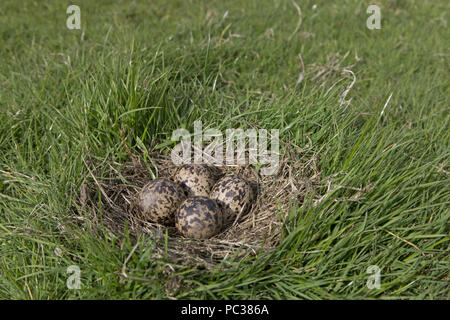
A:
(137, 71)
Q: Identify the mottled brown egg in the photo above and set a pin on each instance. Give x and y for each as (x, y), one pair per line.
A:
(196, 178)
(233, 194)
(160, 199)
(199, 217)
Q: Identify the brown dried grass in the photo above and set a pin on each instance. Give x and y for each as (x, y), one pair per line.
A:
(258, 230)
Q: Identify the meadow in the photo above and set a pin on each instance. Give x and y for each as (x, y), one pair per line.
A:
(368, 107)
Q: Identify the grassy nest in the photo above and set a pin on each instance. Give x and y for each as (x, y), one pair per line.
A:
(259, 229)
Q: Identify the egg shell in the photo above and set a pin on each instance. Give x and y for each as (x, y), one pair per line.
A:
(233, 194)
(159, 200)
(199, 217)
(196, 178)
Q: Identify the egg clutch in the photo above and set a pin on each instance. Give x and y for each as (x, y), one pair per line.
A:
(195, 201)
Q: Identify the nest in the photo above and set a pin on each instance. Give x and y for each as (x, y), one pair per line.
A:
(258, 230)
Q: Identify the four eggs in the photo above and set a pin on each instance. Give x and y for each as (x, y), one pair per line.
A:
(195, 201)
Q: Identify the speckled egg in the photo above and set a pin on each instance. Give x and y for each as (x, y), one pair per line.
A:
(196, 178)
(199, 217)
(160, 199)
(233, 194)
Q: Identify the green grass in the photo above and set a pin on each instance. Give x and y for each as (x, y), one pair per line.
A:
(136, 71)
